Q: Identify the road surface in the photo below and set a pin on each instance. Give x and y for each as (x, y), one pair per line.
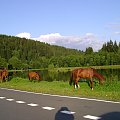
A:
(23, 105)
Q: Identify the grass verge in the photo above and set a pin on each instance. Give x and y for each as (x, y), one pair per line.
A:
(108, 91)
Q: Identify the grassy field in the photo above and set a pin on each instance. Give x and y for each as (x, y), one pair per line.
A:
(108, 91)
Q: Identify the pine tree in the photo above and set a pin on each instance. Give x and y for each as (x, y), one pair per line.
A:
(115, 47)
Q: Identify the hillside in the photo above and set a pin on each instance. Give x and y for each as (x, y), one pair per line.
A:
(30, 49)
(23, 53)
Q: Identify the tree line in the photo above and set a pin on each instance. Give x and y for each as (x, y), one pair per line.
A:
(27, 53)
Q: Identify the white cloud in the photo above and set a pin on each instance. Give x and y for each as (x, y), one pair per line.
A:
(24, 35)
(117, 33)
(49, 38)
(75, 42)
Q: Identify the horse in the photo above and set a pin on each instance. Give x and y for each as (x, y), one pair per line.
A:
(3, 75)
(34, 76)
(87, 73)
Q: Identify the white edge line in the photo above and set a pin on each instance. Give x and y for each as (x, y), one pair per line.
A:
(80, 98)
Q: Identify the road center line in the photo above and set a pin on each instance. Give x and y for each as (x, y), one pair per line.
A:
(10, 99)
(92, 117)
(33, 104)
(2, 97)
(48, 108)
(67, 112)
(20, 102)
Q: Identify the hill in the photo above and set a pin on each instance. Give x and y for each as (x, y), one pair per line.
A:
(24, 53)
(31, 49)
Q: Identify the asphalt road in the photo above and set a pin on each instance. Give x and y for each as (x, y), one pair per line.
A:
(22, 105)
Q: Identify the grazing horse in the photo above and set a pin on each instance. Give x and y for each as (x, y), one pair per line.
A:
(87, 73)
(3, 75)
(34, 76)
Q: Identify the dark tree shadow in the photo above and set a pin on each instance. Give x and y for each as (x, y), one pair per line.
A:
(111, 116)
(63, 115)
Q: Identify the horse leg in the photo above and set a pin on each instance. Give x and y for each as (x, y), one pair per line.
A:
(30, 79)
(78, 86)
(91, 83)
(76, 83)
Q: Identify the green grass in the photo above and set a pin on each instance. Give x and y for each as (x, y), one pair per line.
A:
(108, 91)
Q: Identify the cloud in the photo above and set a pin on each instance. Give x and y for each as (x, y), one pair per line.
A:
(74, 42)
(117, 33)
(49, 38)
(24, 35)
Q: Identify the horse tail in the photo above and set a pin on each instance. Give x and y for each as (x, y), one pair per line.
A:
(71, 79)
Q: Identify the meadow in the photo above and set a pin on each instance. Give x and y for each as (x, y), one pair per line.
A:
(110, 90)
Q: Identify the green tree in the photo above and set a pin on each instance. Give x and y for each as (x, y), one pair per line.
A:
(3, 62)
(16, 53)
(115, 47)
(15, 62)
(110, 46)
(89, 50)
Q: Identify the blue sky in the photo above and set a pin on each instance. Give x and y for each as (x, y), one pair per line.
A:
(71, 23)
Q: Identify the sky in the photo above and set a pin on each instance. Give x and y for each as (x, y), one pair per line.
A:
(76, 24)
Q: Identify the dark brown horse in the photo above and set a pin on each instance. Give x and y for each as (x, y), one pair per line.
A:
(87, 73)
(34, 76)
(3, 75)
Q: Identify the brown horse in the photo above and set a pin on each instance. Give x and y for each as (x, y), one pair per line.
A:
(87, 73)
(34, 76)
(3, 75)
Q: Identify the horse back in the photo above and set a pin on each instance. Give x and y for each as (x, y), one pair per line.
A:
(33, 75)
(86, 73)
(83, 73)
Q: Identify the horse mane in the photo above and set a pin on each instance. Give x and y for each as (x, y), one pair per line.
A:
(39, 75)
(98, 75)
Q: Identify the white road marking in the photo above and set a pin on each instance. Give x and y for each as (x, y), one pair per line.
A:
(67, 112)
(92, 117)
(20, 102)
(89, 99)
(10, 99)
(33, 104)
(2, 97)
(48, 108)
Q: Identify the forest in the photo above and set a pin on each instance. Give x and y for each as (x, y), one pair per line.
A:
(24, 53)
